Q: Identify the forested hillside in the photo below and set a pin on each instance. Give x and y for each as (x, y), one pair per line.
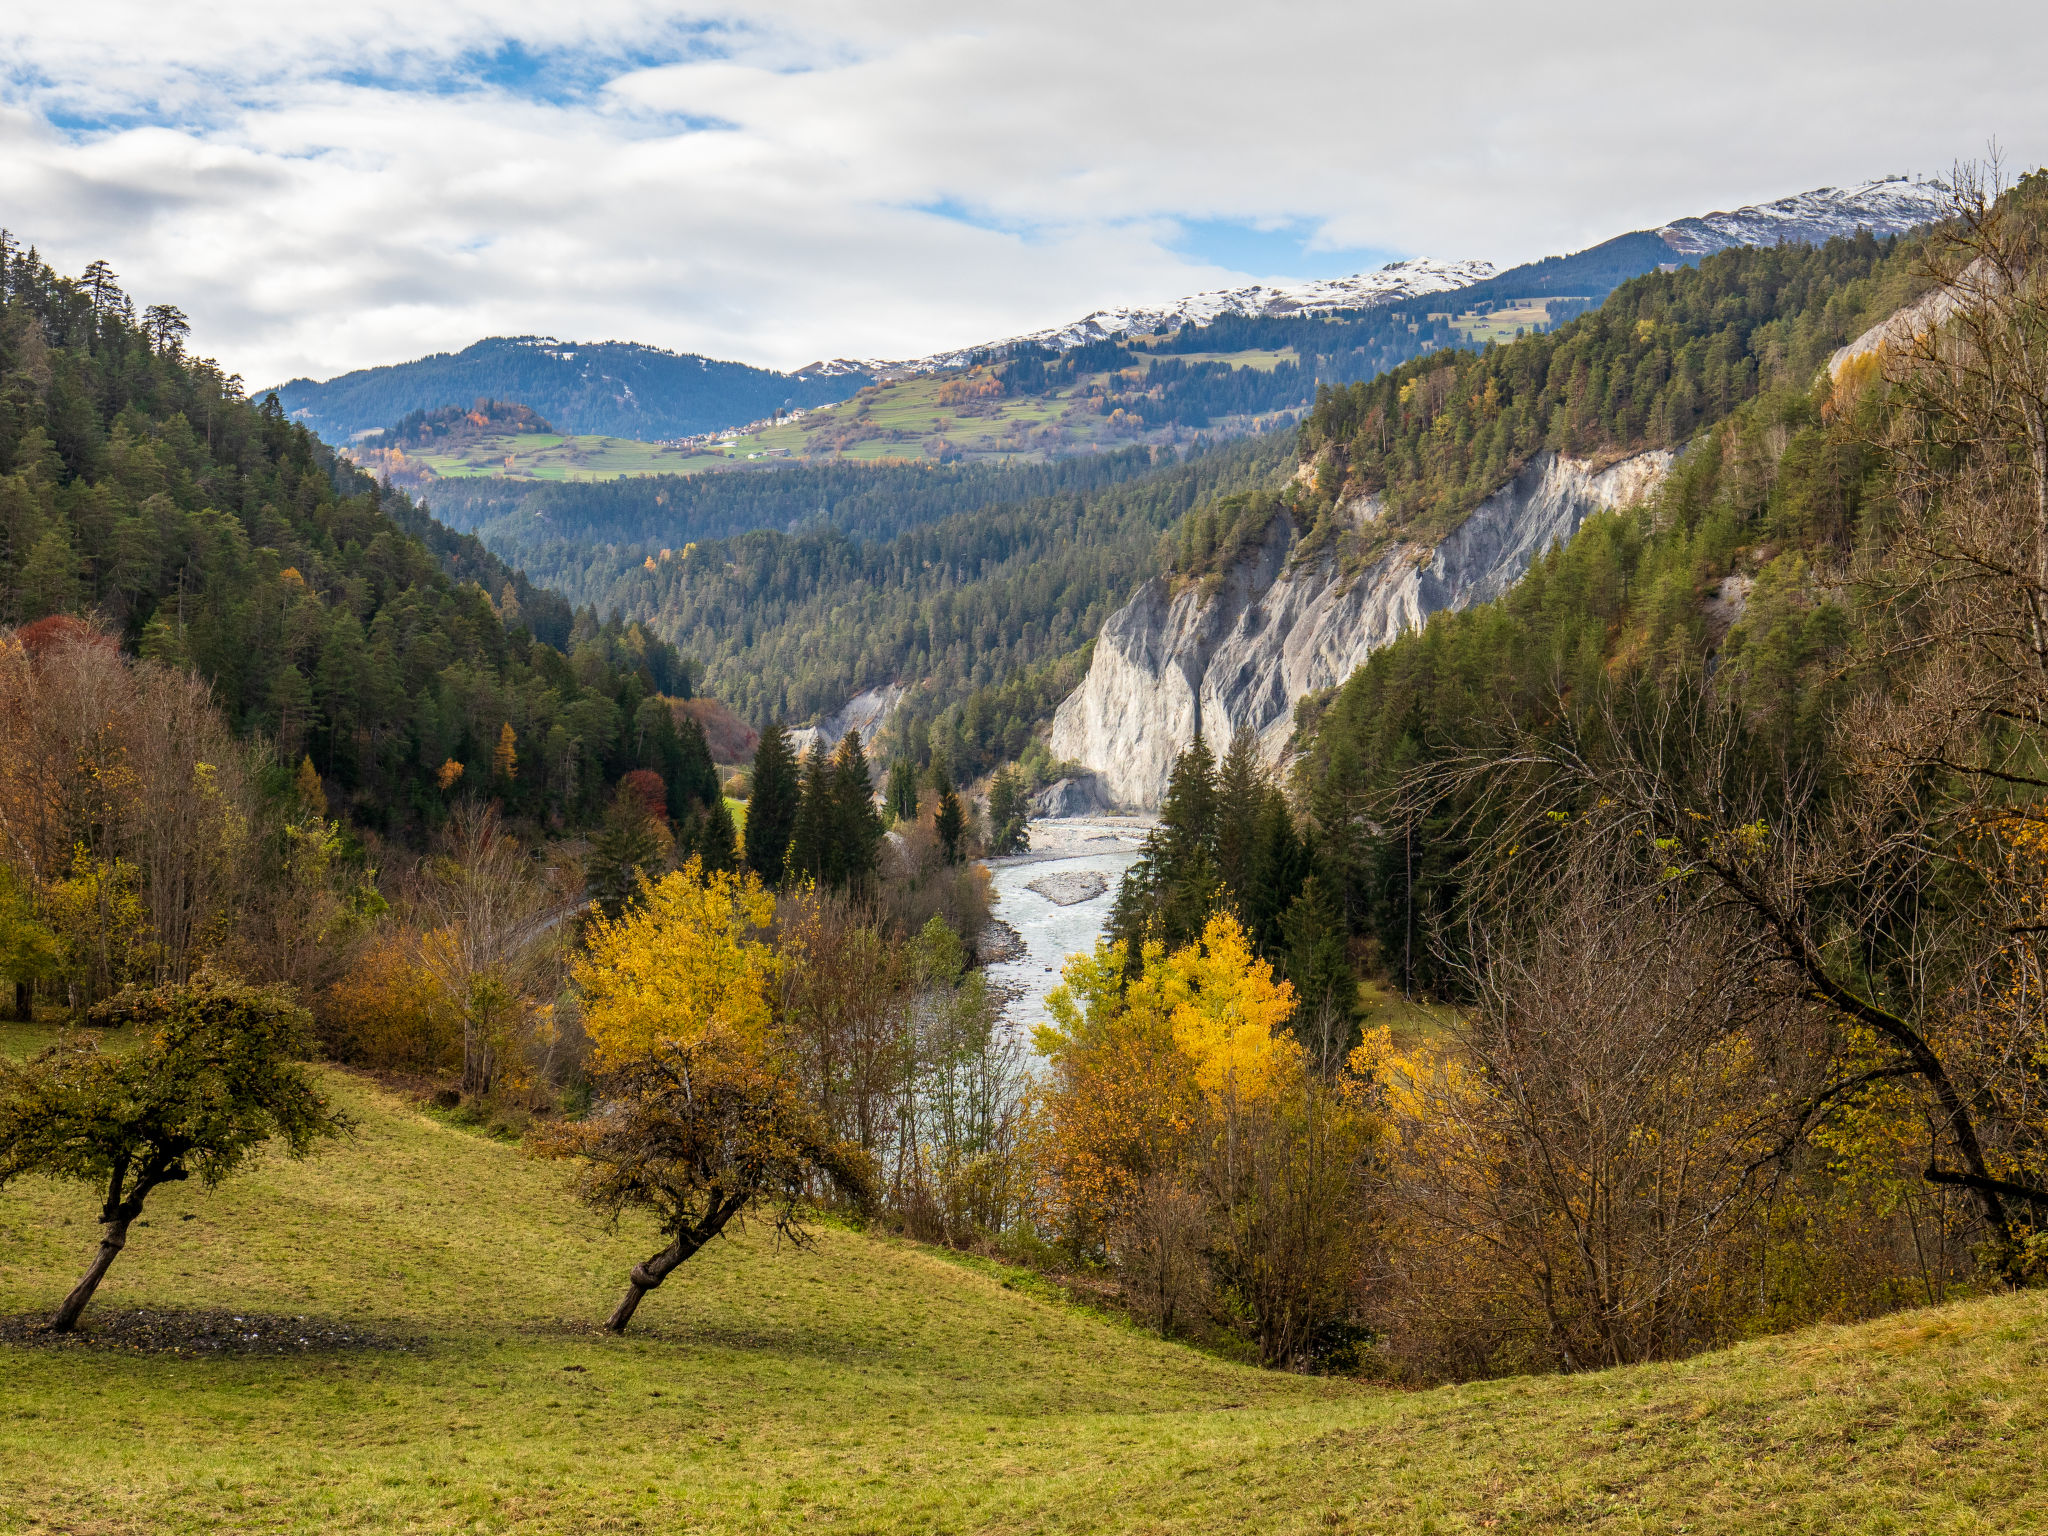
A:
(549, 523)
(1665, 356)
(617, 388)
(968, 611)
(211, 532)
(1720, 834)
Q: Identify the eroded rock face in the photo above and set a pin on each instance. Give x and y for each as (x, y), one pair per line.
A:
(1168, 666)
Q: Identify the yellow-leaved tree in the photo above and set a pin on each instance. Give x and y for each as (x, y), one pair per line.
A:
(1182, 1136)
(700, 1110)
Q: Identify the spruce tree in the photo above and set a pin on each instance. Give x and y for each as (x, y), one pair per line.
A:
(1280, 862)
(1007, 813)
(624, 848)
(1187, 816)
(1240, 805)
(696, 774)
(902, 793)
(857, 829)
(711, 836)
(1320, 968)
(811, 842)
(772, 805)
(950, 822)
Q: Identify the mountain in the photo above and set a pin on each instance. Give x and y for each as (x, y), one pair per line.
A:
(330, 618)
(610, 388)
(1887, 206)
(1390, 284)
(1434, 487)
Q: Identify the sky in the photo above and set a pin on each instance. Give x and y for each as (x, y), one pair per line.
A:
(333, 186)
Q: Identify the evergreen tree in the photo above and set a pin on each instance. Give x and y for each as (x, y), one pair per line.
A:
(1171, 892)
(772, 805)
(625, 847)
(1280, 862)
(1008, 811)
(901, 797)
(857, 830)
(696, 774)
(711, 836)
(1320, 968)
(1187, 816)
(812, 850)
(950, 822)
(1240, 808)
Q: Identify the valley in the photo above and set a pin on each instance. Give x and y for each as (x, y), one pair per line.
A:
(1409, 903)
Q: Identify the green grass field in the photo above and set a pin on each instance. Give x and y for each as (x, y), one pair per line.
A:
(870, 1385)
(555, 456)
(1503, 324)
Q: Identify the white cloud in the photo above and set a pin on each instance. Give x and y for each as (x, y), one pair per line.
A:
(369, 181)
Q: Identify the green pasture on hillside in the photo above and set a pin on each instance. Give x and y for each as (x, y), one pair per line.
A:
(557, 456)
(867, 1384)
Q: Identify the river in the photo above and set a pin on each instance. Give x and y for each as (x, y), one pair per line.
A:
(1064, 848)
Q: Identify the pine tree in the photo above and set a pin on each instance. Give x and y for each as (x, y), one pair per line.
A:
(857, 829)
(772, 805)
(625, 847)
(48, 582)
(811, 842)
(1280, 862)
(1240, 805)
(902, 793)
(950, 822)
(1008, 813)
(1320, 968)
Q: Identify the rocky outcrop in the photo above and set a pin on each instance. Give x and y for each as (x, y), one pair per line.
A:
(1168, 665)
(864, 712)
(1081, 795)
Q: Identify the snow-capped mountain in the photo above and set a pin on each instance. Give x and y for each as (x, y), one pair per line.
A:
(1884, 207)
(1388, 285)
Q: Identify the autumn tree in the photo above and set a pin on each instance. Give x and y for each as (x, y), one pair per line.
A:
(213, 1079)
(1177, 1088)
(487, 936)
(700, 1111)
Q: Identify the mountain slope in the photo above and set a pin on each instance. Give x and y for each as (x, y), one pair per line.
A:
(1388, 285)
(868, 1384)
(610, 388)
(138, 485)
(1433, 487)
(1889, 205)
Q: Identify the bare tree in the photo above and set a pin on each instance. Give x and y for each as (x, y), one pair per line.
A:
(488, 926)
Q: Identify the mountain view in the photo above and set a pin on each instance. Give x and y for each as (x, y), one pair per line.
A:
(1407, 899)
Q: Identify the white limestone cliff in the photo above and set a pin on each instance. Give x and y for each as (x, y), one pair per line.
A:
(1168, 665)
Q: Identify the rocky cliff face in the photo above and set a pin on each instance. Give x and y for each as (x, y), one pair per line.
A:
(1167, 665)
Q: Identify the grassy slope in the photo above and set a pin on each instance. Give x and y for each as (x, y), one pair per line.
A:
(554, 456)
(869, 1385)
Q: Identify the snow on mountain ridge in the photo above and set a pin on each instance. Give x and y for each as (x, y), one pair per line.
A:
(1398, 280)
(1884, 207)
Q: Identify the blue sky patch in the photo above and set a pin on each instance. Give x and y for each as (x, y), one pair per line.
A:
(1279, 251)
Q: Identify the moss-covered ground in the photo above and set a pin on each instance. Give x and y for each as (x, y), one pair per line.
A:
(866, 1384)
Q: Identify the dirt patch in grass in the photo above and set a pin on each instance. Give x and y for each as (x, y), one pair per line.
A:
(167, 1331)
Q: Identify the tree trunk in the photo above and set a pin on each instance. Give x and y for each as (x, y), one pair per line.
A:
(115, 1239)
(646, 1276)
(24, 1002)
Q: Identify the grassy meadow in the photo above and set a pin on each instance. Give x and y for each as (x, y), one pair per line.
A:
(556, 456)
(867, 1384)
